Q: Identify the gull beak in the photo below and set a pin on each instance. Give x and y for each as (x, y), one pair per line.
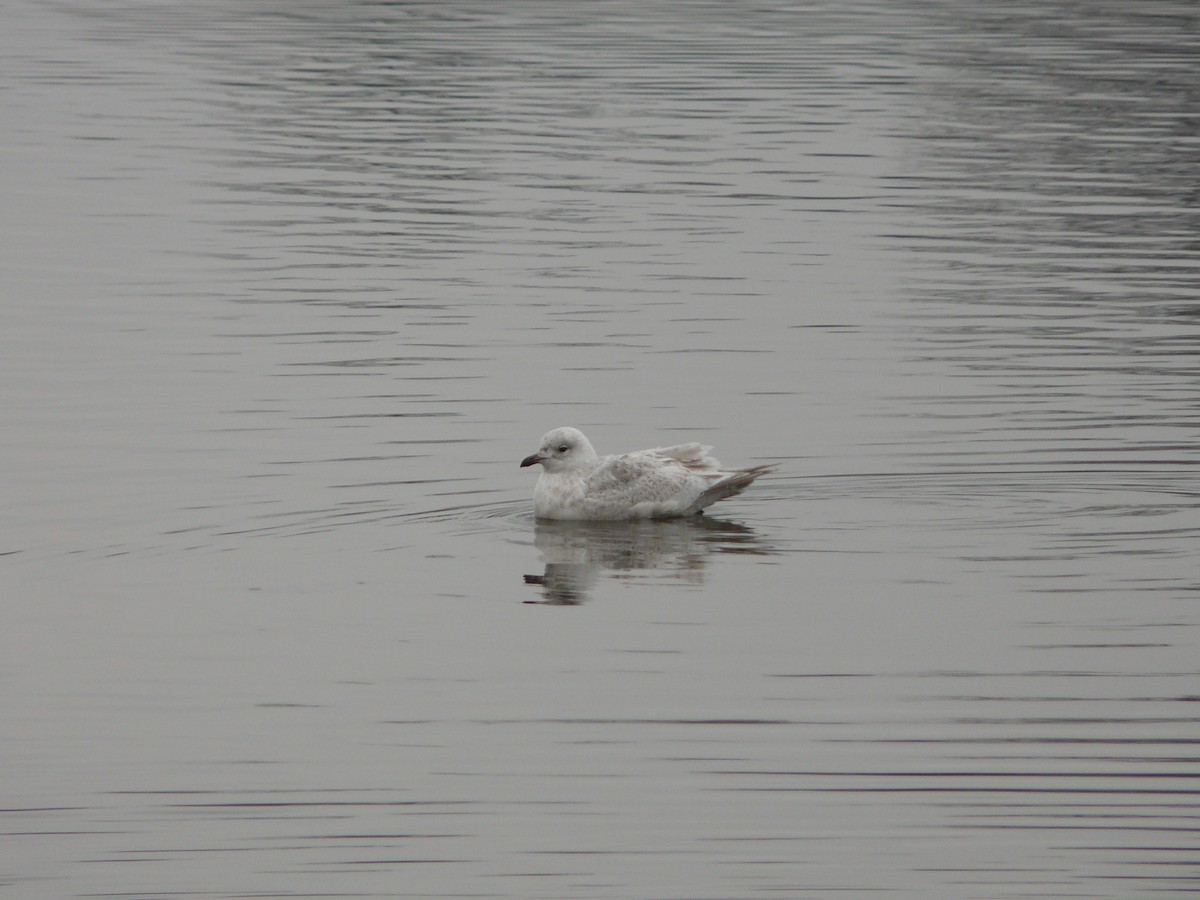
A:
(531, 460)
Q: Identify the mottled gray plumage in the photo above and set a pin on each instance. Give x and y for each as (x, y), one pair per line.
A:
(660, 483)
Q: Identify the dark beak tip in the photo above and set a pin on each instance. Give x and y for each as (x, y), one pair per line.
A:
(530, 461)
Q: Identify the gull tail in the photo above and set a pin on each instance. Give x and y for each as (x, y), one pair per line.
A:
(729, 486)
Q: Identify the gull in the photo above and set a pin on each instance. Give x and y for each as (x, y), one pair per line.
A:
(664, 482)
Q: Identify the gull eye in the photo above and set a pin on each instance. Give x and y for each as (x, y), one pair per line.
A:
(563, 448)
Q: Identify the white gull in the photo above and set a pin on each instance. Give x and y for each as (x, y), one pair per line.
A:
(663, 482)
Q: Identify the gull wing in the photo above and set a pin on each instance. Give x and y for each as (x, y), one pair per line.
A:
(696, 457)
(646, 482)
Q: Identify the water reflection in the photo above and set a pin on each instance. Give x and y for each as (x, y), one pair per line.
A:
(576, 553)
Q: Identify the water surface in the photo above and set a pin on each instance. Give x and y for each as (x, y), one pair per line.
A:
(290, 289)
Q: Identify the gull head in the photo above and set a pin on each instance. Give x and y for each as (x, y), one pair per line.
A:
(562, 450)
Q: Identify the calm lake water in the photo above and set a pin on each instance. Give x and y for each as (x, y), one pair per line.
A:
(289, 288)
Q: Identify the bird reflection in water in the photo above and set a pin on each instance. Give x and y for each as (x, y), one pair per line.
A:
(575, 552)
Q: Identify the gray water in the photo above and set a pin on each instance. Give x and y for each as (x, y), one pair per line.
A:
(290, 288)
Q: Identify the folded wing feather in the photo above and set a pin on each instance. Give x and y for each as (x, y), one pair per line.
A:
(638, 478)
(666, 481)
